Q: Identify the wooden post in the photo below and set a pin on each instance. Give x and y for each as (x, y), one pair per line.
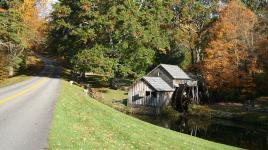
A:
(197, 91)
(193, 94)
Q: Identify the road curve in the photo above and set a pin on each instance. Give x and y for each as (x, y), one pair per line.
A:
(26, 110)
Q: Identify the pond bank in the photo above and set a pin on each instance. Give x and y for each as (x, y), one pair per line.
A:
(231, 112)
(248, 136)
(227, 123)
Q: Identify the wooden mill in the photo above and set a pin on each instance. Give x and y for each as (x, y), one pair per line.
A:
(164, 85)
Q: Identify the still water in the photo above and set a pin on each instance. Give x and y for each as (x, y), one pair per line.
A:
(237, 134)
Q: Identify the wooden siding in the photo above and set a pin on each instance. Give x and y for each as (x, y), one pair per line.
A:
(159, 72)
(137, 93)
(137, 96)
(165, 98)
(176, 83)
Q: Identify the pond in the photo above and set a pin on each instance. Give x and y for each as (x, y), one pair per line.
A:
(228, 132)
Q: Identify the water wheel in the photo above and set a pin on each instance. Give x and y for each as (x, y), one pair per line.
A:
(181, 98)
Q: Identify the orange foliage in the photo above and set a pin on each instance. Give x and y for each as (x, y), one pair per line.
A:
(229, 52)
(262, 49)
(263, 52)
(30, 15)
(262, 45)
(2, 10)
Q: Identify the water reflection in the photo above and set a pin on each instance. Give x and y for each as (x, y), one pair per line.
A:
(242, 135)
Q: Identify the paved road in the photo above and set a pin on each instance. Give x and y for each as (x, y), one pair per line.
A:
(26, 110)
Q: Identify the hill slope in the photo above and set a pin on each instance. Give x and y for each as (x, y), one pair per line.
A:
(80, 122)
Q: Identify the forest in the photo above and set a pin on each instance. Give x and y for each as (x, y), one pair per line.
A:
(134, 74)
(21, 31)
(223, 43)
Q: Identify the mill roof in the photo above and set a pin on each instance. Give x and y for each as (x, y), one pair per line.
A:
(175, 71)
(158, 84)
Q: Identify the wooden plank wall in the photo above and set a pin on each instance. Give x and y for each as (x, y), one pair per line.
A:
(137, 96)
(163, 74)
(137, 93)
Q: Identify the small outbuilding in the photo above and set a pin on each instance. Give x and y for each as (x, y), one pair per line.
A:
(150, 91)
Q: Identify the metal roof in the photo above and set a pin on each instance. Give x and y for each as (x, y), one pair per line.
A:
(157, 84)
(175, 72)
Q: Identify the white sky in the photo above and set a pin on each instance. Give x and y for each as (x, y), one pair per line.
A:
(44, 12)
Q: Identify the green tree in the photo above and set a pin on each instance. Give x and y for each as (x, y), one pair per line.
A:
(93, 60)
(19, 31)
(11, 31)
(192, 20)
(129, 31)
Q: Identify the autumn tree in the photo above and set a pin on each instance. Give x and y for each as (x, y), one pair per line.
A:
(262, 51)
(11, 31)
(30, 16)
(18, 31)
(262, 30)
(230, 55)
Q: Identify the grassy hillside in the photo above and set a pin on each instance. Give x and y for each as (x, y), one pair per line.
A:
(80, 122)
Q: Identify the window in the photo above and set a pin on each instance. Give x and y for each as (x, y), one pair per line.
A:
(154, 94)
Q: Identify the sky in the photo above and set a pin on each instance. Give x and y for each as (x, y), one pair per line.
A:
(44, 12)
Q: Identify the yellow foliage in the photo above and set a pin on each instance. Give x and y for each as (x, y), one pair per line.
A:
(30, 16)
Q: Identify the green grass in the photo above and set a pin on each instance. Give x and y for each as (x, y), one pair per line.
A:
(107, 96)
(80, 122)
(116, 99)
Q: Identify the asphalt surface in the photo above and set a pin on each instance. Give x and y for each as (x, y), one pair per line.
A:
(26, 110)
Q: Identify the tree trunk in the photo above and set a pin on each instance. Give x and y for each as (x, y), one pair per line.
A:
(198, 55)
(192, 56)
(11, 71)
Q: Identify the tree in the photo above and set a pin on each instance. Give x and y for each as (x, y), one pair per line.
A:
(3, 72)
(18, 31)
(14, 55)
(193, 19)
(230, 54)
(11, 31)
(262, 50)
(30, 16)
(129, 31)
(255, 5)
(93, 60)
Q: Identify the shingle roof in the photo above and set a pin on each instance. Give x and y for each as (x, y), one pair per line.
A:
(157, 83)
(175, 71)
